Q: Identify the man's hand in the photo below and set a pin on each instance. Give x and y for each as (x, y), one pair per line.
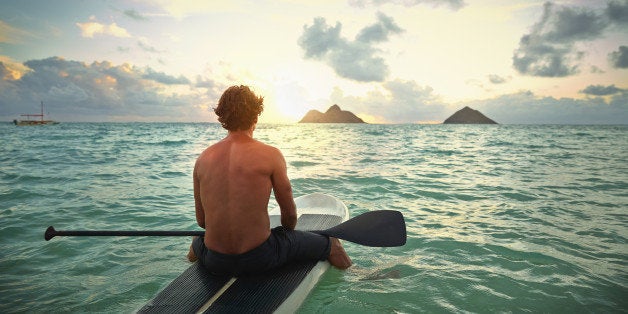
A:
(289, 219)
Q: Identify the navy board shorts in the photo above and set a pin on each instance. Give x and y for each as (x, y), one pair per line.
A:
(282, 246)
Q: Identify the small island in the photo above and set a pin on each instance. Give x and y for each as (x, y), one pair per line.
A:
(333, 115)
(467, 115)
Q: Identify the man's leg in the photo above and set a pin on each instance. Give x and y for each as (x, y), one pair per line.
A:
(303, 245)
(337, 256)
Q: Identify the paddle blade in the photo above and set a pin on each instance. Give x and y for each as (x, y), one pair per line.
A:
(50, 233)
(381, 228)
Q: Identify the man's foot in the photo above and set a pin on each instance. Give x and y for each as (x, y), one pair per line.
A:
(191, 256)
(337, 256)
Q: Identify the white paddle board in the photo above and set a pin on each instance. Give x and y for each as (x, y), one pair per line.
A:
(280, 291)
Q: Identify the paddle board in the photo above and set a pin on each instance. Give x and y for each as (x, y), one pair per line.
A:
(280, 291)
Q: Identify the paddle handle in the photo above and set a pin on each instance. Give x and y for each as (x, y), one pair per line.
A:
(51, 233)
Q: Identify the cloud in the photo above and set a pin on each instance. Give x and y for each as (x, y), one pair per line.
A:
(496, 79)
(619, 58)
(452, 4)
(549, 49)
(401, 101)
(319, 38)
(569, 25)
(11, 70)
(617, 12)
(526, 108)
(89, 29)
(356, 60)
(134, 15)
(204, 82)
(144, 45)
(599, 90)
(595, 69)
(164, 78)
(101, 91)
(380, 31)
(182, 9)
(398, 101)
(12, 35)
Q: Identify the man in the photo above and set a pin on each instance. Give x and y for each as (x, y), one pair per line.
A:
(232, 183)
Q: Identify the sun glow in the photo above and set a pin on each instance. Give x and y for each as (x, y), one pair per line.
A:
(285, 101)
(290, 105)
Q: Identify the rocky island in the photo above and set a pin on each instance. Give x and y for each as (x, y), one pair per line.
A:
(467, 115)
(333, 115)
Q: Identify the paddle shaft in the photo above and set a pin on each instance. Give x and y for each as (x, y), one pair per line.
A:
(51, 233)
(382, 228)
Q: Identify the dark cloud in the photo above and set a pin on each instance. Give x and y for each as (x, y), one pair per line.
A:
(619, 58)
(549, 49)
(617, 12)
(599, 90)
(568, 25)
(100, 91)
(356, 59)
(452, 4)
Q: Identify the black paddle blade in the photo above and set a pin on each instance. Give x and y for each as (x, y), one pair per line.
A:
(50, 233)
(380, 228)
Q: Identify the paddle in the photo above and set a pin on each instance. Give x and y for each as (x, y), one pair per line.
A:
(381, 228)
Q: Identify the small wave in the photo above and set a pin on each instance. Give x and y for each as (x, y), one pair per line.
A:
(174, 143)
(520, 196)
(300, 164)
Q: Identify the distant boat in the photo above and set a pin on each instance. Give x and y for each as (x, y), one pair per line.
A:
(31, 119)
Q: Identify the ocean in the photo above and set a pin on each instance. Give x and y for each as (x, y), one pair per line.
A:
(500, 218)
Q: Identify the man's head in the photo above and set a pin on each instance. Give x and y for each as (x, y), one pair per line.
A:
(239, 108)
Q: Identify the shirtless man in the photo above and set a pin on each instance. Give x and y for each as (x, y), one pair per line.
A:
(232, 183)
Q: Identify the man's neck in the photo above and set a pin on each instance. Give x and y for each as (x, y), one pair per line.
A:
(240, 134)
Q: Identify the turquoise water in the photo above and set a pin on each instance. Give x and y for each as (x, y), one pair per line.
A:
(500, 218)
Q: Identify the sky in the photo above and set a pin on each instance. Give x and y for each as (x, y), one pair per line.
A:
(387, 61)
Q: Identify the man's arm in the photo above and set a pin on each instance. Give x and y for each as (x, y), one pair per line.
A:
(283, 193)
(200, 212)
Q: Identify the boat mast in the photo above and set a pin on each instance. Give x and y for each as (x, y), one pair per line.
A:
(42, 111)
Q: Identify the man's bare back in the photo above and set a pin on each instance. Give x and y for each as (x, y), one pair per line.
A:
(232, 182)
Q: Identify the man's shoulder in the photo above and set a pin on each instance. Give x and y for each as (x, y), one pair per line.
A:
(211, 150)
(263, 145)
